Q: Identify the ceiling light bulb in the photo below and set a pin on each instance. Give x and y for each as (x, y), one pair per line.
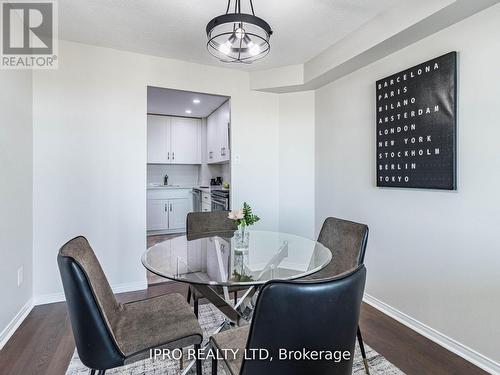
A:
(253, 48)
(196, 101)
(240, 33)
(225, 48)
(188, 111)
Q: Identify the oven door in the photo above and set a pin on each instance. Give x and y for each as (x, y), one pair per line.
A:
(219, 204)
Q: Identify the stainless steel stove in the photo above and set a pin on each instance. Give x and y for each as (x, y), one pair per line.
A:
(220, 200)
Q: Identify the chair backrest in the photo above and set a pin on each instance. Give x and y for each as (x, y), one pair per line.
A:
(93, 308)
(347, 241)
(202, 223)
(292, 316)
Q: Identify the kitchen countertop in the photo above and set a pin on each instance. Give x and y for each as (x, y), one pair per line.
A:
(208, 189)
(204, 188)
(161, 187)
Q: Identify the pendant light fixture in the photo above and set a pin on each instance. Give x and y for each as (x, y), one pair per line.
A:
(238, 37)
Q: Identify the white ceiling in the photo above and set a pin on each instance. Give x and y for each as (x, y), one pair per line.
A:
(176, 102)
(176, 28)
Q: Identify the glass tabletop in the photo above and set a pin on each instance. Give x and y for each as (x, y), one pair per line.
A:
(219, 260)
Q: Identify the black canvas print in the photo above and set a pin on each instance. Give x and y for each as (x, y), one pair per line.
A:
(416, 126)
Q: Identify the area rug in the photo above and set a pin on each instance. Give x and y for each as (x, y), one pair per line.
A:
(210, 319)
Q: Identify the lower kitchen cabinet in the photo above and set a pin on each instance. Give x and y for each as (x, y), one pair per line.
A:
(157, 214)
(167, 210)
(179, 208)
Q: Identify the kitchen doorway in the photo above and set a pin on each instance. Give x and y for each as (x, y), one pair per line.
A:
(188, 160)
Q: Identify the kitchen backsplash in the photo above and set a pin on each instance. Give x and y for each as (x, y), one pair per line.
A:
(177, 174)
(188, 174)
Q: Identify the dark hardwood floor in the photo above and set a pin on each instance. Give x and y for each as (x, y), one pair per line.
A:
(43, 344)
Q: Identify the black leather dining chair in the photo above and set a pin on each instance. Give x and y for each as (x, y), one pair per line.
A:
(110, 334)
(347, 241)
(297, 315)
(208, 224)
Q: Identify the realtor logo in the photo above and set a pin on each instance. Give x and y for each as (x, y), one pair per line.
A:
(29, 39)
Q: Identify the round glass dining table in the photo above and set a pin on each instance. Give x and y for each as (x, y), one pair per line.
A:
(215, 264)
(218, 260)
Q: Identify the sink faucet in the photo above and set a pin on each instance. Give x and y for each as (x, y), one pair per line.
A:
(165, 180)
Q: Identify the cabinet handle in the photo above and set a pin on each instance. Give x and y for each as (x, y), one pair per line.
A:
(170, 207)
(173, 156)
(168, 155)
(166, 208)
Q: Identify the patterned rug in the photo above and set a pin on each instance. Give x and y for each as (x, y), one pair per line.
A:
(210, 319)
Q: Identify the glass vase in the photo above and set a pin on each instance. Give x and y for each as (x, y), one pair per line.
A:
(241, 239)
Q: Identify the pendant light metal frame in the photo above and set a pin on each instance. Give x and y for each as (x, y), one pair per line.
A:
(237, 18)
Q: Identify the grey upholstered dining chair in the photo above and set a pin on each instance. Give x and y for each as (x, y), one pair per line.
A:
(109, 334)
(203, 224)
(294, 316)
(347, 241)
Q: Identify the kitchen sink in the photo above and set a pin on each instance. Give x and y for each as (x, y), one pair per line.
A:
(161, 185)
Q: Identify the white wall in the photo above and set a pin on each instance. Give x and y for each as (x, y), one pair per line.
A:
(16, 214)
(296, 168)
(432, 255)
(90, 153)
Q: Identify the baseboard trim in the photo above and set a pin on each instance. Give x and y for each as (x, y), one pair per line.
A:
(485, 363)
(44, 299)
(129, 287)
(14, 324)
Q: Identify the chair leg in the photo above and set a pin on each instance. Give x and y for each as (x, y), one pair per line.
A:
(189, 295)
(215, 361)
(235, 297)
(101, 372)
(363, 353)
(214, 366)
(92, 372)
(195, 303)
(198, 360)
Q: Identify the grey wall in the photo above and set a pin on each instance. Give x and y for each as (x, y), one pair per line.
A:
(432, 255)
(16, 185)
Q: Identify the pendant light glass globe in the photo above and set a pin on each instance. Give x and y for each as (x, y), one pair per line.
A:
(238, 37)
(253, 49)
(239, 33)
(225, 48)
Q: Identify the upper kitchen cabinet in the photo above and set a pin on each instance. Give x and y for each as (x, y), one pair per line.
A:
(218, 135)
(174, 140)
(185, 140)
(158, 151)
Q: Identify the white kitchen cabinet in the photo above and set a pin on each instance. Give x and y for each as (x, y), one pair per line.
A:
(179, 208)
(218, 139)
(223, 132)
(167, 210)
(206, 202)
(157, 139)
(174, 140)
(212, 133)
(157, 218)
(185, 138)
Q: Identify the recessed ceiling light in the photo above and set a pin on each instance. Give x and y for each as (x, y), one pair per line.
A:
(196, 101)
(188, 111)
